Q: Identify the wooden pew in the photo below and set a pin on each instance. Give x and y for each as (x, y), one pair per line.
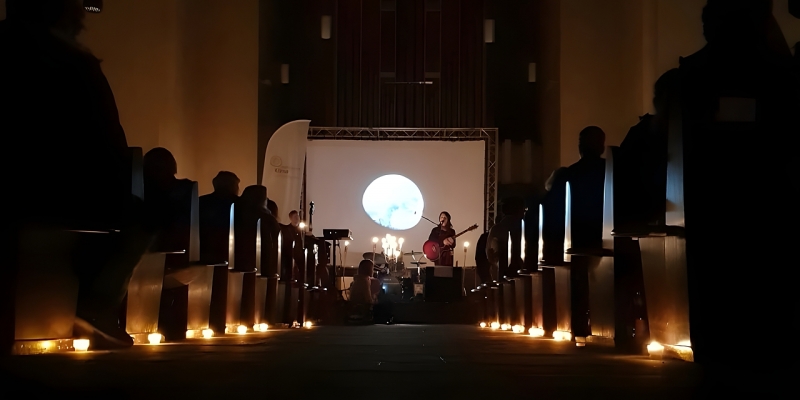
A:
(593, 307)
(175, 257)
(226, 291)
(555, 263)
(45, 294)
(188, 281)
(248, 261)
(270, 270)
(663, 255)
(529, 283)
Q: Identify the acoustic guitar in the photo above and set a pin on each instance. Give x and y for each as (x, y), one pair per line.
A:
(432, 249)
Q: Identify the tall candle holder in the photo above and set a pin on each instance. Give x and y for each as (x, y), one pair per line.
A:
(374, 248)
(346, 245)
(466, 244)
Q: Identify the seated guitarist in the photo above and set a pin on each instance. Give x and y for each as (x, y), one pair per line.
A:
(444, 234)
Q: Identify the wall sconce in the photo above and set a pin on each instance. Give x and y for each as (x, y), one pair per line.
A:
(531, 72)
(93, 6)
(488, 31)
(326, 27)
(284, 73)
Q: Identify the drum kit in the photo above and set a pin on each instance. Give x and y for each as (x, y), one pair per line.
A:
(393, 271)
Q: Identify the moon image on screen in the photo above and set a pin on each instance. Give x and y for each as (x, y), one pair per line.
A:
(394, 202)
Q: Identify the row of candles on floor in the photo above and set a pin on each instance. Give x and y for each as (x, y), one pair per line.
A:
(654, 348)
(535, 332)
(157, 338)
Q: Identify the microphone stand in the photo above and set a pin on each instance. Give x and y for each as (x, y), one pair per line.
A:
(425, 218)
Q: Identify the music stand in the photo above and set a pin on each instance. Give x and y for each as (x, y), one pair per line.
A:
(335, 243)
(415, 262)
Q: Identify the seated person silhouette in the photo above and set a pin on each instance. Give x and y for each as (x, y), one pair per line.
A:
(641, 166)
(365, 288)
(215, 218)
(69, 143)
(482, 264)
(365, 295)
(587, 186)
(164, 195)
(270, 229)
(747, 135)
(497, 238)
(249, 209)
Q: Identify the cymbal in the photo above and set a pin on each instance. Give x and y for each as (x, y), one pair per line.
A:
(379, 258)
(418, 262)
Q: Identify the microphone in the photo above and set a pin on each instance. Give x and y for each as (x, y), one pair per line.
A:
(415, 213)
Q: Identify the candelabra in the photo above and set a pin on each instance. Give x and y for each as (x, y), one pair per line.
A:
(374, 248)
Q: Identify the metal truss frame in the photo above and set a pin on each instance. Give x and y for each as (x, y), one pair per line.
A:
(488, 135)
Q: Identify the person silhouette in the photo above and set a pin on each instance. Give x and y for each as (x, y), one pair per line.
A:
(215, 217)
(739, 98)
(641, 165)
(69, 143)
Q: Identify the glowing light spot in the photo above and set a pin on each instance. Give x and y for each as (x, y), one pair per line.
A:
(155, 338)
(536, 332)
(80, 344)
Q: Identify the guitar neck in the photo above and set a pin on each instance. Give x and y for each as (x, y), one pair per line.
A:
(463, 232)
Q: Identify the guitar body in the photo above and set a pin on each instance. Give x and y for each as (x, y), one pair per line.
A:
(432, 250)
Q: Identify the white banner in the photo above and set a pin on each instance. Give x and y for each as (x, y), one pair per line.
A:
(283, 166)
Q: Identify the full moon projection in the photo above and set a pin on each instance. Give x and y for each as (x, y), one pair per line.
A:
(394, 202)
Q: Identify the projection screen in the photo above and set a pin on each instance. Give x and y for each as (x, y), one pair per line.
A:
(393, 179)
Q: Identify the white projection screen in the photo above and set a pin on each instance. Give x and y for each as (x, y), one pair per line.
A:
(449, 175)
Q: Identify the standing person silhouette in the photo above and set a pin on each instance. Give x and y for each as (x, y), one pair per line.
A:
(444, 235)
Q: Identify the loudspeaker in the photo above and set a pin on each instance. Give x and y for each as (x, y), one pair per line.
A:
(444, 288)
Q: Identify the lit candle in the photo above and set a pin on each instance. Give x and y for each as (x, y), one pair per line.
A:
(466, 244)
(154, 338)
(80, 344)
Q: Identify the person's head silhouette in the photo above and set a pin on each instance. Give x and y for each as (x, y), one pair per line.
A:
(254, 198)
(226, 183)
(735, 21)
(591, 142)
(65, 16)
(159, 166)
(365, 268)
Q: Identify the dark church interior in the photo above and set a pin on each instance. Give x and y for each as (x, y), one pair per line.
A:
(203, 188)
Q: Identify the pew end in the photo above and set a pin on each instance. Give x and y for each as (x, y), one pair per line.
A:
(46, 287)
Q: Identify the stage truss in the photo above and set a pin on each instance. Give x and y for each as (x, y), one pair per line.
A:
(488, 135)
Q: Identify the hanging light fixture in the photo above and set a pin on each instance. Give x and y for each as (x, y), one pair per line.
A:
(93, 6)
